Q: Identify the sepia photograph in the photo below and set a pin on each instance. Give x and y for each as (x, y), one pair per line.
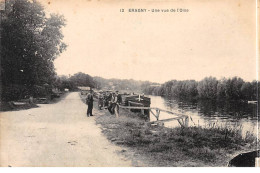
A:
(129, 83)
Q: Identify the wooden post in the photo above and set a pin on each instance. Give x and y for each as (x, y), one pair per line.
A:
(118, 110)
(187, 121)
(180, 122)
(157, 114)
(147, 115)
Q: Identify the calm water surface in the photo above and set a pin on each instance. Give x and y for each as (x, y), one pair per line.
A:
(205, 113)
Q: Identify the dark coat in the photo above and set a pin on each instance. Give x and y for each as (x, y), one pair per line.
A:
(89, 99)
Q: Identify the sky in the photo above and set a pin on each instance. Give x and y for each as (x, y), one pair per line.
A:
(215, 38)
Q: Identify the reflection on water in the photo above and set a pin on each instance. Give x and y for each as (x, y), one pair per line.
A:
(205, 112)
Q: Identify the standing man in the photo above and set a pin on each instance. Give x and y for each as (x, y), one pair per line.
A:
(119, 98)
(107, 99)
(89, 102)
(115, 101)
(100, 100)
(118, 102)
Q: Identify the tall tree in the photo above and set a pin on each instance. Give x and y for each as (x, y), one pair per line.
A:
(30, 43)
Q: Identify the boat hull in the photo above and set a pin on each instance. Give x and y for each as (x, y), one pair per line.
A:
(138, 101)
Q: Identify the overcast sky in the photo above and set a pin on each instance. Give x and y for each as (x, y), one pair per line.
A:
(215, 38)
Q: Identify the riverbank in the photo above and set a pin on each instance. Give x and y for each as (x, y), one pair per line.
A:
(161, 146)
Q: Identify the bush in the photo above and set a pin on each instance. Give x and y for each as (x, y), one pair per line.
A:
(39, 91)
(17, 92)
(13, 92)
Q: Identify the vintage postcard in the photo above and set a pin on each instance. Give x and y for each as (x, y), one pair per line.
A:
(129, 83)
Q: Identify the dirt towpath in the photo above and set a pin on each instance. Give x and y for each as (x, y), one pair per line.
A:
(56, 135)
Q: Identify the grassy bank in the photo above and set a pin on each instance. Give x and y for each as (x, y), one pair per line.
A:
(161, 146)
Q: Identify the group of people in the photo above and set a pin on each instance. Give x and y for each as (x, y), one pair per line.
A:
(107, 100)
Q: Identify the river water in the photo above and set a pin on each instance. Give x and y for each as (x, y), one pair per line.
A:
(203, 113)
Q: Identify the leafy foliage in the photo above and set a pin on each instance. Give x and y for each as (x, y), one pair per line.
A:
(31, 42)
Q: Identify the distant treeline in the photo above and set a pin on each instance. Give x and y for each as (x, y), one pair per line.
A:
(127, 85)
(209, 88)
